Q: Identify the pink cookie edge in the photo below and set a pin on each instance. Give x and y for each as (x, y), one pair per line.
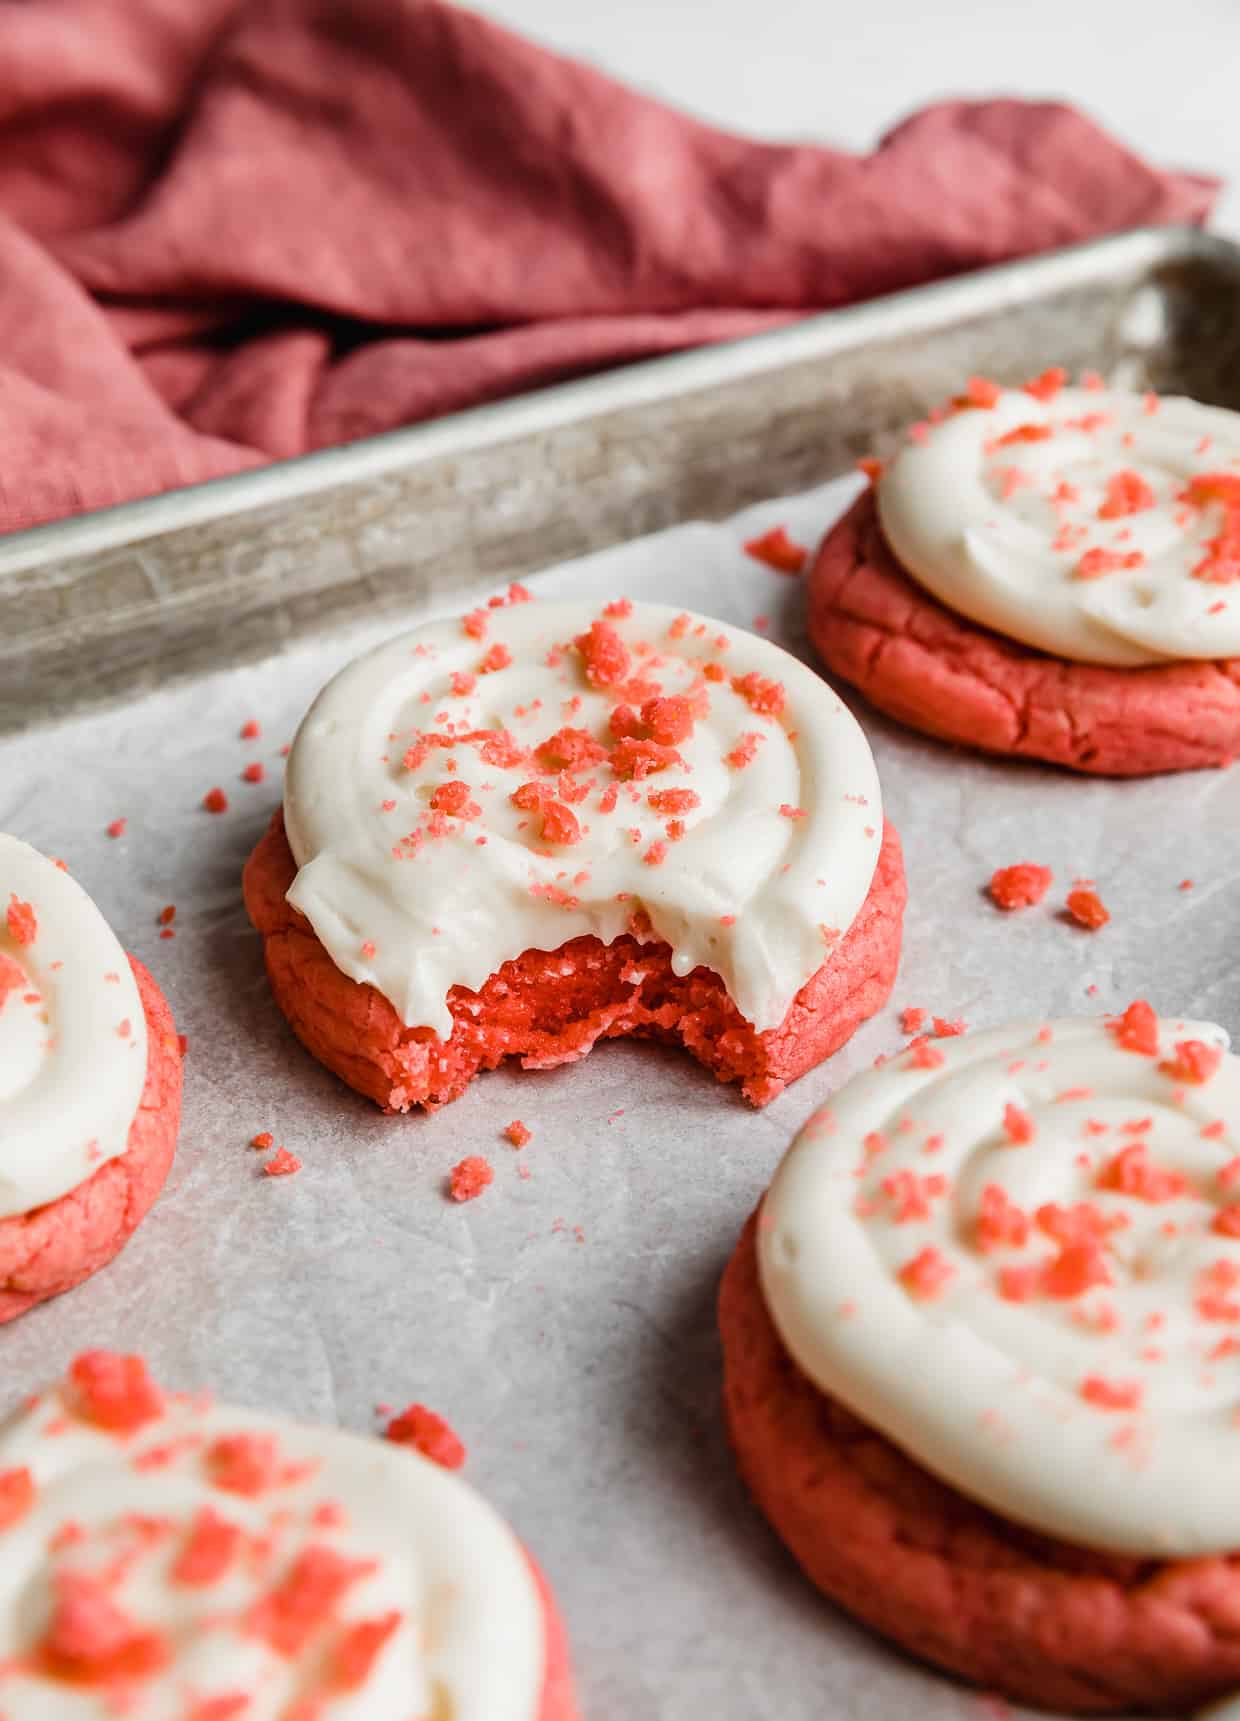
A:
(58, 1246)
(936, 672)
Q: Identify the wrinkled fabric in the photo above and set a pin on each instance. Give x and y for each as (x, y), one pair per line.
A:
(236, 230)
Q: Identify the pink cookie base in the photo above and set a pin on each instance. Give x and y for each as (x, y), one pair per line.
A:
(57, 1246)
(913, 658)
(558, 1701)
(1036, 1619)
(549, 1008)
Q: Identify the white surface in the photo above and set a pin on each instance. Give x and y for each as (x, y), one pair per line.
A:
(843, 71)
(581, 1368)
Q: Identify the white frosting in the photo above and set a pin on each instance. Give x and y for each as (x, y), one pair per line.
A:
(72, 1036)
(1108, 1417)
(469, 1642)
(978, 523)
(757, 895)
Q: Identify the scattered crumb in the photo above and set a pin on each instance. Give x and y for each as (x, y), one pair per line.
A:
(250, 730)
(778, 551)
(281, 1164)
(1019, 886)
(427, 1433)
(911, 1019)
(263, 1141)
(215, 801)
(1086, 908)
(167, 915)
(254, 772)
(117, 827)
(468, 1179)
(1186, 884)
(517, 1133)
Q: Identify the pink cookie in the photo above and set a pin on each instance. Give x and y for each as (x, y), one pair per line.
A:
(938, 672)
(1041, 1620)
(551, 1007)
(55, 1247)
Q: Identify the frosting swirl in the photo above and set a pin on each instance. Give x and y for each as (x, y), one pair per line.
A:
(72, 1034)
(1101, 526)
(178, 1555)
(1017, 1254)
(539, 771)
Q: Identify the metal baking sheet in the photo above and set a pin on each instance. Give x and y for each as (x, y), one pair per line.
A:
(122, 601)
(564, 1321)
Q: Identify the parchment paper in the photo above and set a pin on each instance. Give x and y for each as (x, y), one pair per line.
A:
(564, 1322)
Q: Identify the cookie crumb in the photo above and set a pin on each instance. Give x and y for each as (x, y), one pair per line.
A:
(926, 1273)
(17, 1492)
(1086, 908)
(255, 772)
(778, 551)
(250, 730)
(428, 1433)
(467, 1180)
(1018, 1126)
(215, 801)
(263, 1140)
(947, 1029)
(1111, 1394)
(21, 920)
(1019, 886)
(281, 1164)
(1195, 1061)
(517, 1133)
(912, 1019)
(117, 827)
(114, 1392)
(1136, 1030)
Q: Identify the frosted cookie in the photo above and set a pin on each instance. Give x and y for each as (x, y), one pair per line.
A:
(1048, 572)
(90, 1084)
(168, 1559)
(981, 1349)
(546, 824)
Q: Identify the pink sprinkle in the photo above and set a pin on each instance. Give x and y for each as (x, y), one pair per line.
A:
(1017, 1124)
(926, 1273)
